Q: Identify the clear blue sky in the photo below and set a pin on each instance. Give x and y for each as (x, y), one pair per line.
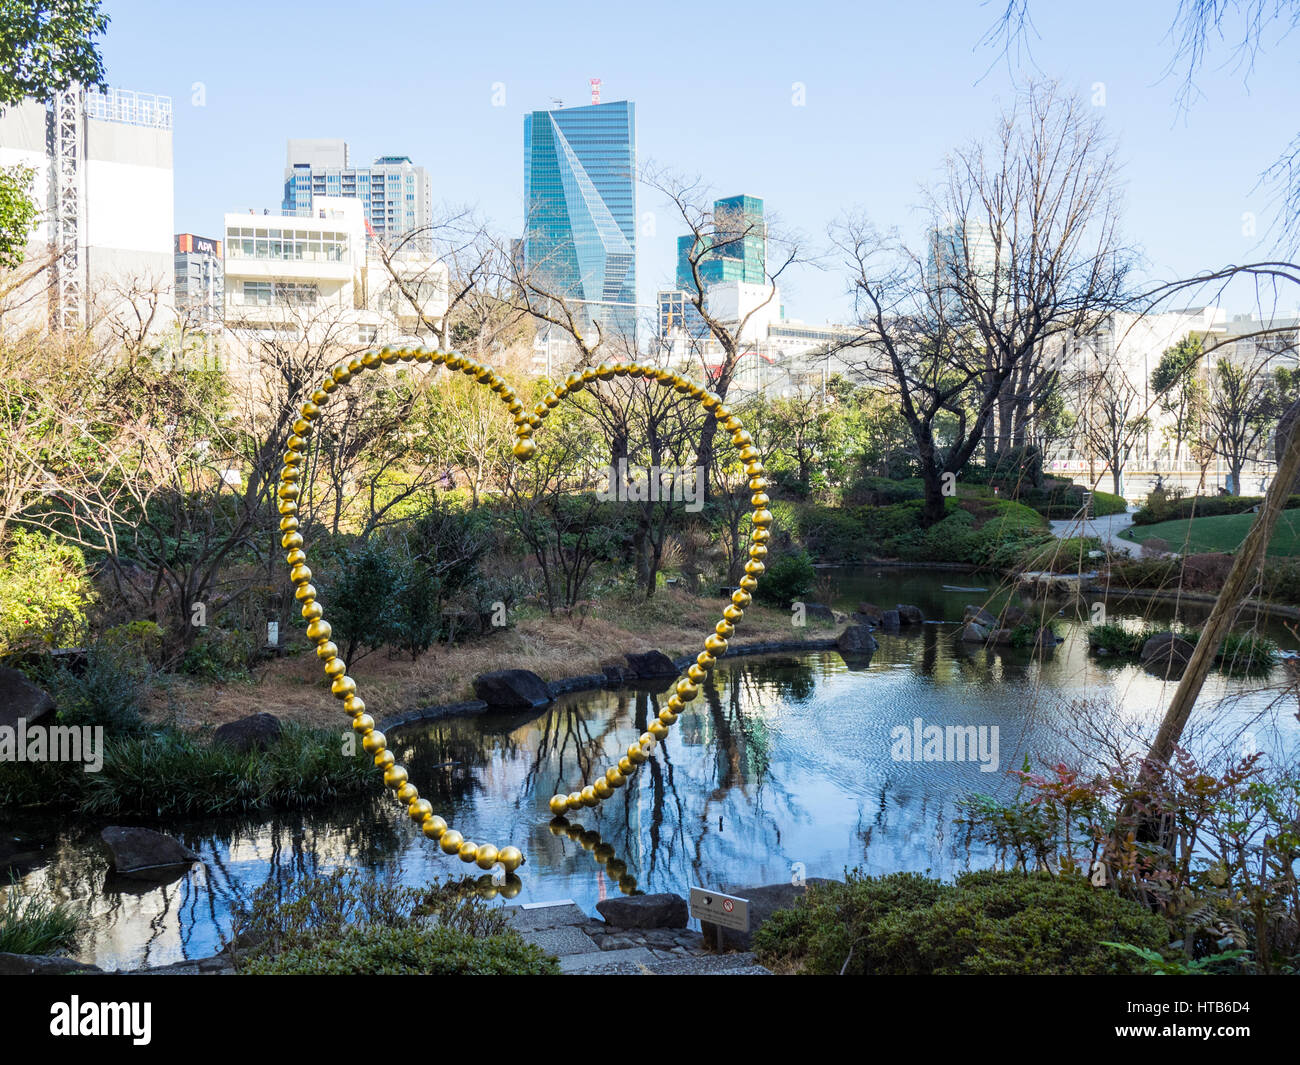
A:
(889, 89)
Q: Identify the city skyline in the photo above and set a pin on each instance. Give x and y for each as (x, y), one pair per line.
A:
(810, 159)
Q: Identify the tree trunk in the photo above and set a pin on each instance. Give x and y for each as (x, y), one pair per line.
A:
(933, 511)
(1117, 480)
(1225, 607)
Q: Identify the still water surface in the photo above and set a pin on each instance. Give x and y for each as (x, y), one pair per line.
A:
(786, 764)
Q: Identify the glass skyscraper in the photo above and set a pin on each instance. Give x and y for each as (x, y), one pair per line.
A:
(580, 198)
(739, 246)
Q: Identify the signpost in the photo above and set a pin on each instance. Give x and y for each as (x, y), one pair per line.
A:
(720, 911)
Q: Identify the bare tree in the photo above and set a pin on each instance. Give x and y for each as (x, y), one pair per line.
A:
(1113, 419)
(1024, 251)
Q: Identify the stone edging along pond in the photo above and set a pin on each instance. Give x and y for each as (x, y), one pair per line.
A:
(597, 681)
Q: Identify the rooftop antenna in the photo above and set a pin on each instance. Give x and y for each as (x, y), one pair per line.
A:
(557, 102)
(595, 90)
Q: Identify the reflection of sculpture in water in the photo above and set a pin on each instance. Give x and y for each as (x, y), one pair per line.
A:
(589, 839)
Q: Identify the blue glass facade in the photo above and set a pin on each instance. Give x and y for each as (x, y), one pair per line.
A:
(738, 246)
(580, 199)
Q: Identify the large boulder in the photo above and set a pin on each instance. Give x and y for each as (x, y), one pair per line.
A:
(909, 614)
(889, 620)
(255, 732)
(856, 640)
(871, 612)
(615, 672)
(1285, 427)
(20, 698)
(511, 689)
(1166, 655)
(819, 612)
(979, 616)
(763, 902)
(42, 965)
(974, 632)
(650, 664)
(1013, 617)
(142, 854)
(644, 911)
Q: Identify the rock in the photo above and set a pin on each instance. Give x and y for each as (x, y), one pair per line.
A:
(872, 612)
(20, 698)
(615, 673)
(974, 632)
(819, 612)
(856, 640)
(1001, 637)
(979, 616)
(511, 689)
(255, 732)
(143, 854)
(650, 664)
(1013, 617)
(763, 902)
(42, 965)
(1045, 637)
(1166, 655)
(889, 620)
(644, 911)
(581, 683)
(910, 615)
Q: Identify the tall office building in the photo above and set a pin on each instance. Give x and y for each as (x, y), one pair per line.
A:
(200, 281)
(397, 195)
(580, 199)
(738, 246)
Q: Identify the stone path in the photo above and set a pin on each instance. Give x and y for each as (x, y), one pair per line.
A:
(1106, 529)
(588, 947)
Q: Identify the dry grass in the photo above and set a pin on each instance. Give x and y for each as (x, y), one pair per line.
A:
(294, 688)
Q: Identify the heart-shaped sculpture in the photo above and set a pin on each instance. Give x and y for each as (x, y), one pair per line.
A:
(486, 855)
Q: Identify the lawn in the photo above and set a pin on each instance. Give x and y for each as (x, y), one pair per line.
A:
(1220, 533)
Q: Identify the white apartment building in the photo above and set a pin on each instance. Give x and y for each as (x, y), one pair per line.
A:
(310, 276)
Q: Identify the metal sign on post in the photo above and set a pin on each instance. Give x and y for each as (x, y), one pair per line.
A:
(726, 911)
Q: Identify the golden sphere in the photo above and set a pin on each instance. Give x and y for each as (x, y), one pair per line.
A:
(362, 724)
(486, 856)
(742, 438)
(616, 867)
(300, 574)
(319, 630)
(295, 556)
(759, 499)
(754, 568)
(657, 729)
(626, 766)
(602, 789)
(342, 375)
(468, 852)
(733, 613)
(668, 717)
(305, 593)
(705, 660)
(741, 597)
(511, 857)
(734, 425)
(697, 673)
(335, 667)
(715, 645)
(687, 689)
(559, 804)
(409, 794)
(754, 469)
(750, 453)
(574, 831)
(748, 582)
(434, 827)
(511, 887)
(589, 839)
(725, 629)
(575, 800)
(374, 741)
(603, 852)
(589, 796)
(383, 760)
(757, 484)
(758, 551)
(291, 540)
(353, 705)
(761, 519)
(614, 777)
(326, 651)
(312, 611)
(451, 841)
(343, 687)
(647, 741)
(420, 810)
(761, 536)
(525, 448)
(636, 754)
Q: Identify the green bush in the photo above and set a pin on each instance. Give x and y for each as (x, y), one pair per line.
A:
(408, 952)
(347, 922)
(218, 653)
(788, 579)
(1116, 639)
(108, 690)
(168, 773)
(829, 534)
(1168, 506)
(44, 592)
(1245, 654)
(29, 925)
(986, 923)
(1062, 556)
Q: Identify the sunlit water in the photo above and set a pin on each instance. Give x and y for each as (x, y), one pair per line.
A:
(786, 765)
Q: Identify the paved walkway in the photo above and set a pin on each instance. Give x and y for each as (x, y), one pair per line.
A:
(1106, 529)
(587, 947)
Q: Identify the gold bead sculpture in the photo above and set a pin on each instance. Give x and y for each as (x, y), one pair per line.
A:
(344, 688)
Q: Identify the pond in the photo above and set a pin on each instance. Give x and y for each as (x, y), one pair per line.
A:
(787, 765)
